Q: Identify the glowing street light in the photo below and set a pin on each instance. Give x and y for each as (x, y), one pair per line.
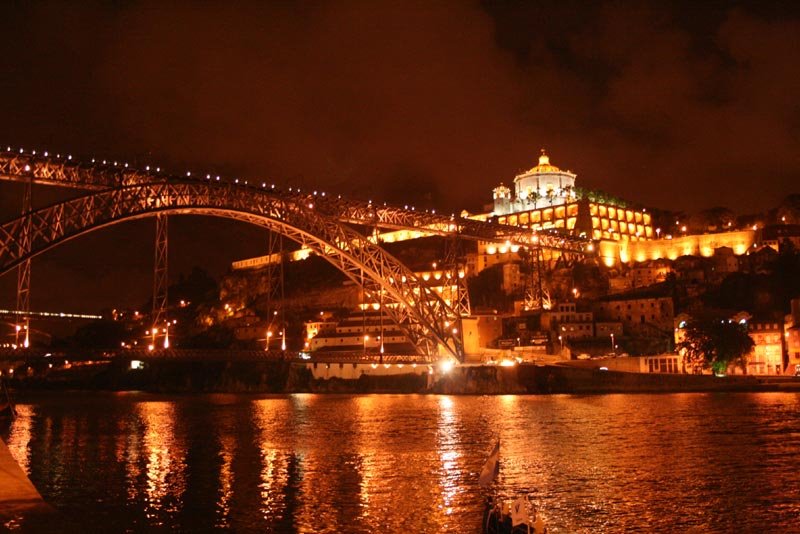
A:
(613, 346)
(269, 335)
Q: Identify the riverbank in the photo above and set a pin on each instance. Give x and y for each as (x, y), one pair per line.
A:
(184, 376)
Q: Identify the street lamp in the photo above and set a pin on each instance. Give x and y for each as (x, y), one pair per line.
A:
(613, 347)
(269, 335)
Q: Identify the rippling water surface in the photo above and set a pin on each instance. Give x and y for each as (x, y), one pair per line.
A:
(404, 463)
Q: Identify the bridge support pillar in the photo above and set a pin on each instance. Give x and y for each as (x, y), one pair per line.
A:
(275, 290)
(22, 337)
(160, 283)
(536, 294)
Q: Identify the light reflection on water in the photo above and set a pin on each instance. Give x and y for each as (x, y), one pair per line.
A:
(395, 463)
(164, 462)
(20, 436)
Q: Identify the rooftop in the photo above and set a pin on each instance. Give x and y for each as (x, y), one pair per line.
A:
(544, 167)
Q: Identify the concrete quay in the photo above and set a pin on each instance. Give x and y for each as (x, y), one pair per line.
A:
(18, 496)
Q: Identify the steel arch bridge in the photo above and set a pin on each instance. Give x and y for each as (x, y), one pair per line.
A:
(322, 223)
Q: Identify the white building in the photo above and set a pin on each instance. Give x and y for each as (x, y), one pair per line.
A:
(543, 185)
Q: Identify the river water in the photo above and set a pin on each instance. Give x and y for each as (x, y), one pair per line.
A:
(722, 462)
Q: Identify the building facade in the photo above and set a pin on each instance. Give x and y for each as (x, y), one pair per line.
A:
(767, 355)
(638, 314)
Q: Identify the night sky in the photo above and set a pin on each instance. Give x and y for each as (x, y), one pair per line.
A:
(671, 105)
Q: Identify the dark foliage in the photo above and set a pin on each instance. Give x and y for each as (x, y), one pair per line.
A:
(215, 337)
(717, 344)
(102, 334)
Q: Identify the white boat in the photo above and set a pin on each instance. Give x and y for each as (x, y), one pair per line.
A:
(518, 516)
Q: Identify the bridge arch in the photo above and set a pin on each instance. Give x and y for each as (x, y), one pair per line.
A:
(422, 314)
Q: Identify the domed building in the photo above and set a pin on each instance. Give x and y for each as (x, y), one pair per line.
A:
(543, 185)
(546, 197)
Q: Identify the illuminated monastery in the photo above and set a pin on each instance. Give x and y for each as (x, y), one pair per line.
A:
(546, 197)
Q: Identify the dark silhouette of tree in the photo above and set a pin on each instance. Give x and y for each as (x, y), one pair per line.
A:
(713, 218)
(486, 289)
(590, 279)
(716, 344)
(215, 337)
(102, 334)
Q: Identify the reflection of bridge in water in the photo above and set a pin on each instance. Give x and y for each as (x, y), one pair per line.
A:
(340, 230)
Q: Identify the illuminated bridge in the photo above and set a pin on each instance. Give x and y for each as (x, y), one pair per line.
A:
(340, 230)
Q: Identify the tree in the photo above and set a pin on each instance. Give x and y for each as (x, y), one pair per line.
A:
(713, 218)
(101, 334)
(716, 344)
(486, 289)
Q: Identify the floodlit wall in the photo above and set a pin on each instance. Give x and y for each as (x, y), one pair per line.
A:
(690, 245)
(480, 331)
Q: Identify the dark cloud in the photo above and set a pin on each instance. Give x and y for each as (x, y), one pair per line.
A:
(675, 105)
(339, 95)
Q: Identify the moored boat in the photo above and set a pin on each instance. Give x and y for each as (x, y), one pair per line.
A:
(518, 516)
